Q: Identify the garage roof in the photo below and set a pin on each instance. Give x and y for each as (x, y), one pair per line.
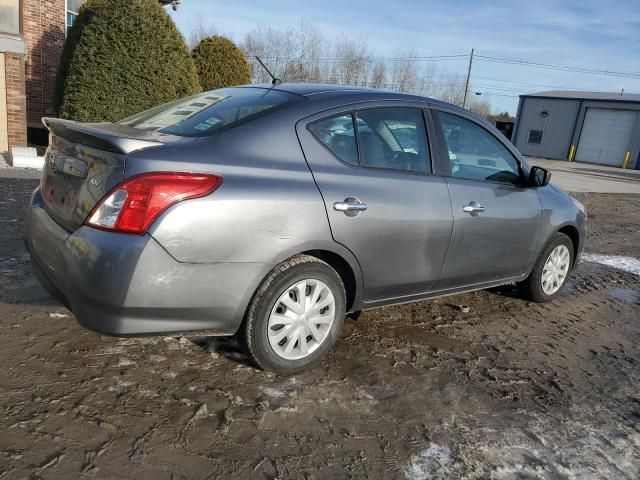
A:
(584, 95)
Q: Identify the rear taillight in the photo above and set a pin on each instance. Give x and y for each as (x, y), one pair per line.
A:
(133, 206)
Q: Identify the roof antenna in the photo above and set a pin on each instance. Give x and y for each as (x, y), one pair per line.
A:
(274, 79)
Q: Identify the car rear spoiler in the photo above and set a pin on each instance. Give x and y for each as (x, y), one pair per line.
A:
(106, 136)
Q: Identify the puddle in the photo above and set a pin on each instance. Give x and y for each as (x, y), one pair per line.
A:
(628, 264)
(626, 295)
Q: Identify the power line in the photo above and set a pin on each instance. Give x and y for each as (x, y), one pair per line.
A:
(498, 94)
(593, 69)
(564, 68)
(434, 58)
(533, 84)
(501, 89)
(484, 58)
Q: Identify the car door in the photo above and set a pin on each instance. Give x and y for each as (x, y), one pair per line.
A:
(497, 219)
(373, 169)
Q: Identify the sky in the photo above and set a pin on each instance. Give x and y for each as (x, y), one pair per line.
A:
(596, 34)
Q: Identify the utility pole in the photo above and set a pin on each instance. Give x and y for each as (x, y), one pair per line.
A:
(466, 85)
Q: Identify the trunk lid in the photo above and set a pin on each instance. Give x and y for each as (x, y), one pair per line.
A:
(84, 162)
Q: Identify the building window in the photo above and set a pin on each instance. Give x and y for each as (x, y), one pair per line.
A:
(73, 7)
(535, 136)
(10, 17)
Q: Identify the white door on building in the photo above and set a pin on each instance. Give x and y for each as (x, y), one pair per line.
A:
(606, 135)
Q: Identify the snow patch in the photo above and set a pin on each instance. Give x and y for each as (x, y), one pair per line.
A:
(112, 350)
(274, 392)
(157, 358)
(433, 459)
(125, 362)
(628, 264)
(25, 157)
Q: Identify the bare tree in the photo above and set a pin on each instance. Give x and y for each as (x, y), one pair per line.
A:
(293, 55)
(428, 81)
(404, 72)
(481, 107)
(351, 61)
(378, 78)
(304, 54)
(452, 90)
(199, 30)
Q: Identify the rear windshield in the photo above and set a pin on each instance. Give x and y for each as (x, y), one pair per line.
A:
(211, 112)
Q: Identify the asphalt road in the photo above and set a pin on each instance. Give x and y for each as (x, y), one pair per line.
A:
(587, 177)
(508, 390)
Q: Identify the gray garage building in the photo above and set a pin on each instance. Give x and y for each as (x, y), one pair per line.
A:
(589, 127)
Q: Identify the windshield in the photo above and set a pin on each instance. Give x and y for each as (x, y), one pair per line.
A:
(211, 112)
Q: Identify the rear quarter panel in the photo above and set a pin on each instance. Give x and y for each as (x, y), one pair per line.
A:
(267, 209)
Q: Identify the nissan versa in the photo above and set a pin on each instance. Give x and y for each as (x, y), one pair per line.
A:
(270, 212)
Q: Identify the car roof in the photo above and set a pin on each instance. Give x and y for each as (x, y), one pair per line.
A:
(311, 90)
(342, 94)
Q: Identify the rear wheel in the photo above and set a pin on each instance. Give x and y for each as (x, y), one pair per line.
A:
(295, 316)
(550, 271)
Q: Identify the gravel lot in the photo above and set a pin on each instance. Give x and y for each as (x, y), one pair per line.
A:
(508, 390)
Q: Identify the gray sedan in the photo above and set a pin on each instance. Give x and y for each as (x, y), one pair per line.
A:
(271, 212)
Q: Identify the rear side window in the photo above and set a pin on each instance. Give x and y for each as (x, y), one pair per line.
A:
(211, 112)
(337, 134)
(393, 138)
(387, 138)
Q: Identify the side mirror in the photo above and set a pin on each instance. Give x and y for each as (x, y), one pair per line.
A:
(539, 177)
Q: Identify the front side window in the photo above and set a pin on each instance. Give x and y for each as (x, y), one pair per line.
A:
(336, 133)
(476, 154)
(10, 17)
(393, 138)
(207, 113)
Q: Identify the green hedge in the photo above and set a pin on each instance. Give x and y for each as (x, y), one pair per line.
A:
(122, 57)
(220, 63)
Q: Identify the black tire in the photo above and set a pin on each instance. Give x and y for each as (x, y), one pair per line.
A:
(531, 288)
(254, 331)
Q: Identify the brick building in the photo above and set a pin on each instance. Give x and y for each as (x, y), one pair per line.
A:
(32, 34)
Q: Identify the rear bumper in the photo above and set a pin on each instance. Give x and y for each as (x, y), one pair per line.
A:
(128, 284)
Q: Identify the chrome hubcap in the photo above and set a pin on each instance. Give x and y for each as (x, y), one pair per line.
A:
(555, 270)
(301, 319)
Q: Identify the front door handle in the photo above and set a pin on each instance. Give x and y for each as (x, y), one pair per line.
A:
(351, 206)
(474, 208)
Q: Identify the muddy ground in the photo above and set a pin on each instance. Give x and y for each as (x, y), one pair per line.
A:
(509, 390)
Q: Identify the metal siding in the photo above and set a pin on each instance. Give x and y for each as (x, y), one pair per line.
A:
(516, 126)
(557, 127)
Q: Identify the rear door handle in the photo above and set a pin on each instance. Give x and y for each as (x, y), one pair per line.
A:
(351, 206)
(473, 207)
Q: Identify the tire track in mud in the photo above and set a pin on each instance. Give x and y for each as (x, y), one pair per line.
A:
(418, 391)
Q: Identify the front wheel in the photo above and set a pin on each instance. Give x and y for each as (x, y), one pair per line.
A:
(550, 271)
(295, 316)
